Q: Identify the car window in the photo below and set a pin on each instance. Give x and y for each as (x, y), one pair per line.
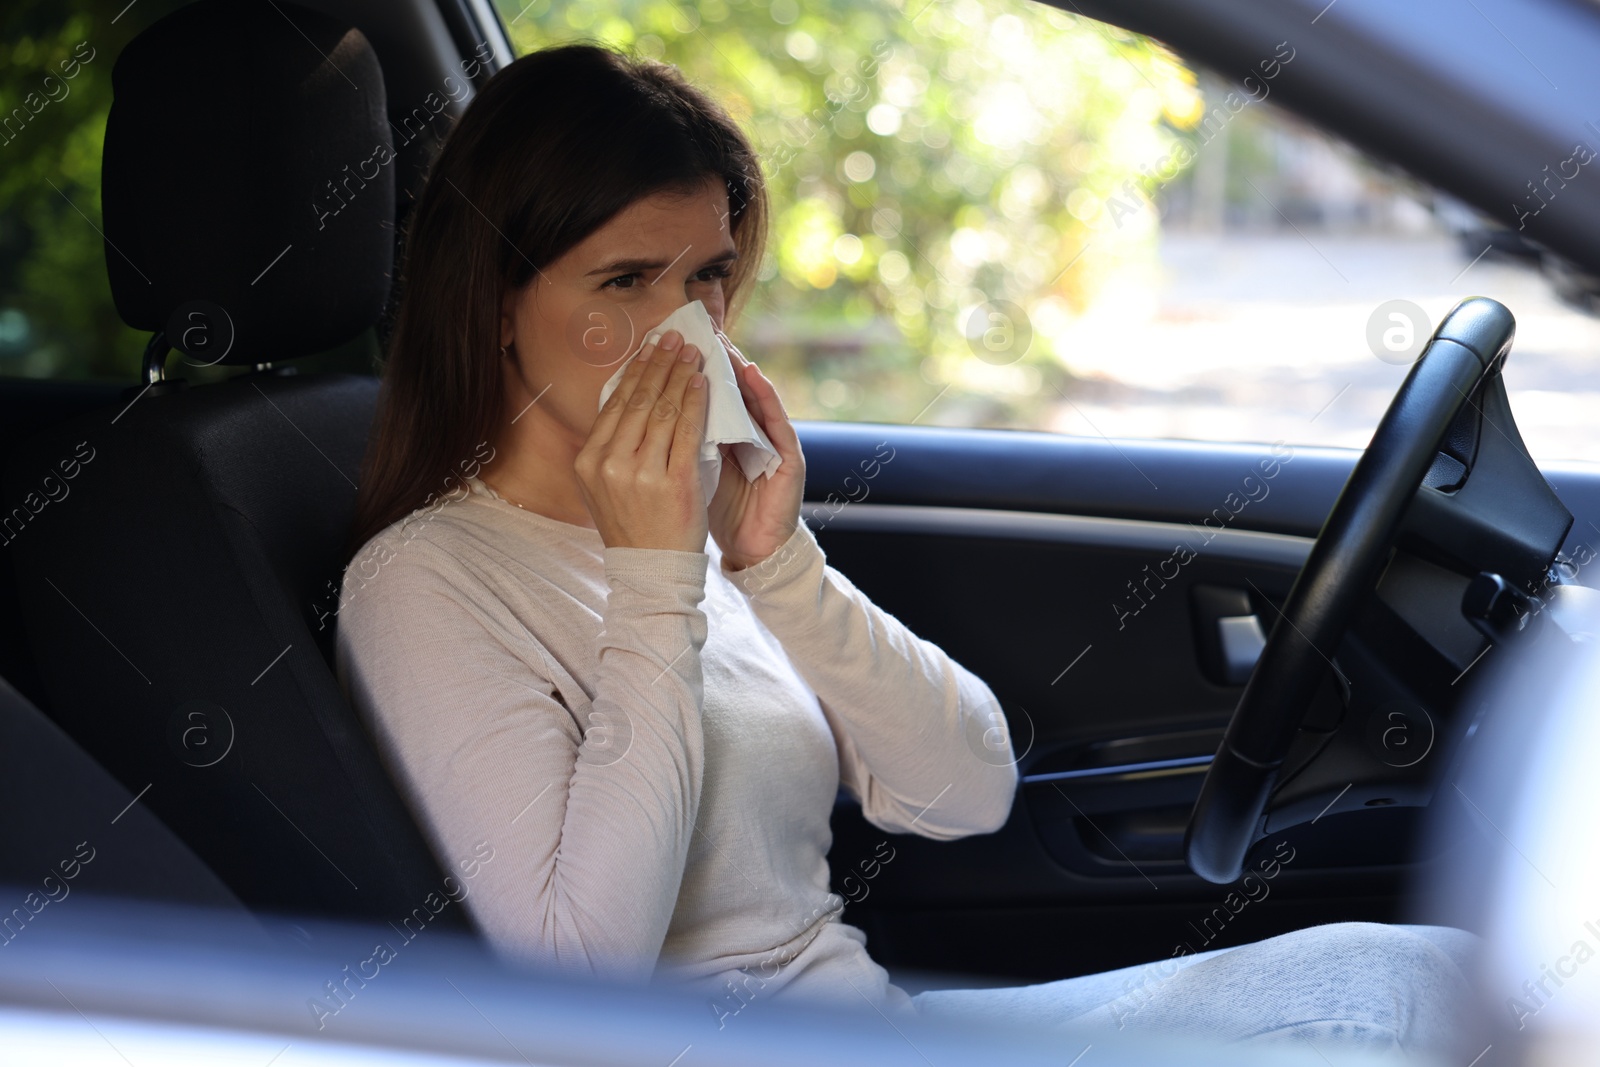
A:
(987, 213)
(995, 213)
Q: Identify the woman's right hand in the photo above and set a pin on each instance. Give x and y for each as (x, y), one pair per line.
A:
(639, 471)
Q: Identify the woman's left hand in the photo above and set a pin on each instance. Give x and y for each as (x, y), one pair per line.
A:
(751, 520)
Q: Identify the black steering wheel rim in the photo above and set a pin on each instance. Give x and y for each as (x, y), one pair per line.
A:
(1340, 571)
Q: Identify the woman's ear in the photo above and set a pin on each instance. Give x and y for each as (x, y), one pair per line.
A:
(508, 319)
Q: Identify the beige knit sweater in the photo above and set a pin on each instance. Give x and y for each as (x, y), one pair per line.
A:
(651, 746)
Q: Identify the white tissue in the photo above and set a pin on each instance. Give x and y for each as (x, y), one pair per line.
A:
(728, 422)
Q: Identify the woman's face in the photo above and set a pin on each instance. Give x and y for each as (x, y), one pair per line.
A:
(584, 314)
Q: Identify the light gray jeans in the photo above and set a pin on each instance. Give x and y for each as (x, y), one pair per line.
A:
(1352, 985)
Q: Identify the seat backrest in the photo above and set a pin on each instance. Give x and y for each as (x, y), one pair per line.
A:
(178, 551)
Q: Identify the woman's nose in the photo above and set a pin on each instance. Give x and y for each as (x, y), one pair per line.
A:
(664, 304)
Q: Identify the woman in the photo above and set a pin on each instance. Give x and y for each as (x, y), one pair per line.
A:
(638, 704)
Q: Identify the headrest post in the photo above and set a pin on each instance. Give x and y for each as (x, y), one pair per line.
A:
(155, 358)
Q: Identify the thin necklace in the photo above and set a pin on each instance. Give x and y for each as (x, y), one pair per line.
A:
(502, 496)
(530, 511)
(498, 493)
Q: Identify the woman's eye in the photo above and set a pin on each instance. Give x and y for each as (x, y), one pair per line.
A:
(708, 274)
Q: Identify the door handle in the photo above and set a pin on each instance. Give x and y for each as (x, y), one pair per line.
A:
(1242, 641)
(1228, 633)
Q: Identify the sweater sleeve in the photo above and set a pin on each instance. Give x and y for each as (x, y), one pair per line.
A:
(922, 741)
(588, 823)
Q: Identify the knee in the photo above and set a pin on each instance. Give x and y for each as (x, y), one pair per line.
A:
(1376, 950)
(1422, 949)
(1404, 979)
(1461, 946)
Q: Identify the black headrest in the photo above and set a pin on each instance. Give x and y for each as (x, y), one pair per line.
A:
(248, 168)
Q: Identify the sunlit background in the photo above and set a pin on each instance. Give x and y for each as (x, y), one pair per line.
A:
(1005, 156)
(986, 213)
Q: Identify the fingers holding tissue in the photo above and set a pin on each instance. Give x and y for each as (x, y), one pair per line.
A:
(728, 420)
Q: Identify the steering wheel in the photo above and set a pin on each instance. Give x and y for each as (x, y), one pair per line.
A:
(1341, 570)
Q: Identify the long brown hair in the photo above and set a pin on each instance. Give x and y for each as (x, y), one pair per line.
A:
(553, 147)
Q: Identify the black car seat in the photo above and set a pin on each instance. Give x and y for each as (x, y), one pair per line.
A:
(181, 548)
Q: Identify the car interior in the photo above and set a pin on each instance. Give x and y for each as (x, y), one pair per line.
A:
(1196, 690)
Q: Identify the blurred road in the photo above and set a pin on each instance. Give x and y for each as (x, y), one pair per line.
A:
(1259, 338)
